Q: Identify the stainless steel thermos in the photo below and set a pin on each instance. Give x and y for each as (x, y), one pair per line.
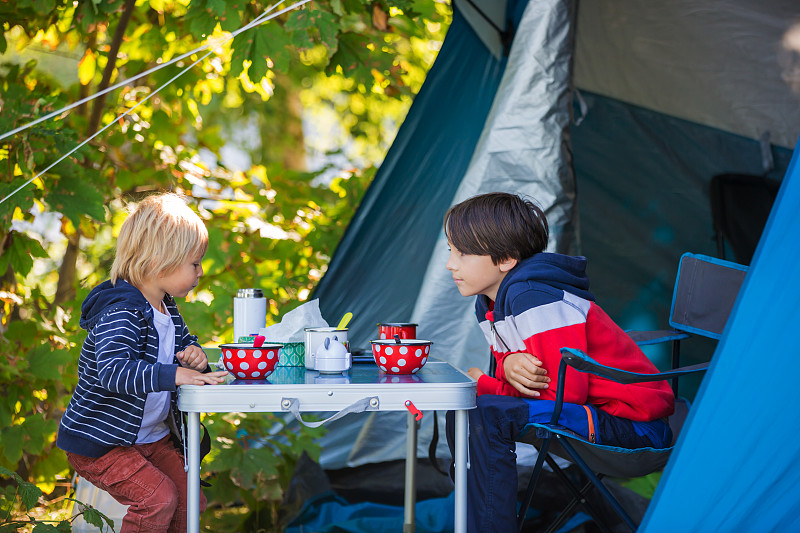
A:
(249, 313)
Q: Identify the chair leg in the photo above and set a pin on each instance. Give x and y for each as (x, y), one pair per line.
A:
(579, 495)
(537, 470)
(598, 484)
(578, 498)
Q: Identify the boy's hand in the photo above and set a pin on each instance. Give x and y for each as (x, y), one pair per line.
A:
(187, 376)
(525, 373)
(193, 357)
(475, 373)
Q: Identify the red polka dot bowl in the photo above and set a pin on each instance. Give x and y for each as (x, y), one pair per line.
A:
(245, 361)
(401, 356)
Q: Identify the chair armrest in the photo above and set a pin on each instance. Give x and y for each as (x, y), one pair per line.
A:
(644, 338)
(583, 363)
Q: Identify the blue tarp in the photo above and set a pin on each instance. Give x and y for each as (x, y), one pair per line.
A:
(330, 513)
(736, 466)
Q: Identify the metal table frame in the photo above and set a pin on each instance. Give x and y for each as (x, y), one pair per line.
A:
(437, 386)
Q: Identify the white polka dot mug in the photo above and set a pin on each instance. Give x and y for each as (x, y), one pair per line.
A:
(400, 356)
(245, 361)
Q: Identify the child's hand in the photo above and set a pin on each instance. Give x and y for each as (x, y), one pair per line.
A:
(187, 376)
(475, 373)
(525, 373)
(193, 357)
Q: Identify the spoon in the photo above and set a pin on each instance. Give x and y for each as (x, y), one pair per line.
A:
(345, 320)
(258, 341)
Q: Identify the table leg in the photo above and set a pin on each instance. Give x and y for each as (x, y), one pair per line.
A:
(460, 525)
(411, 474)
(193, 475)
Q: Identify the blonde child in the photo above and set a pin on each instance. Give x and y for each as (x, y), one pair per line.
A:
(118, 425)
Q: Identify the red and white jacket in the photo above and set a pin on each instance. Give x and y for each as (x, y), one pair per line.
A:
(544, 304)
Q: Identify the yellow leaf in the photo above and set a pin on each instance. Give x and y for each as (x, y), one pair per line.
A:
(86, 67)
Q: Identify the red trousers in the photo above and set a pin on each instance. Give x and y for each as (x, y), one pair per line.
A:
(149, 478)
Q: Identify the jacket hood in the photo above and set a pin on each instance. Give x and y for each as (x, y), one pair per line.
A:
(106, 296)
(562, 272)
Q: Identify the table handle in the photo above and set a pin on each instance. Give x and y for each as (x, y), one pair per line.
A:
(370, 403)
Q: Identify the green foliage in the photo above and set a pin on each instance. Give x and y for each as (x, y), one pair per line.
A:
(252, 461)
(644, 486)
(329, 82)
(21, 497)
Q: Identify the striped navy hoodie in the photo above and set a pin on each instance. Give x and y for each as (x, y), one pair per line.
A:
(544, 304)
(117, 368)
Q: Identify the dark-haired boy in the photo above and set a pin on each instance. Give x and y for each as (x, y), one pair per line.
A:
(529, 305)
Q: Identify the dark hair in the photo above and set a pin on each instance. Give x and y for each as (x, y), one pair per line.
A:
(498, 224)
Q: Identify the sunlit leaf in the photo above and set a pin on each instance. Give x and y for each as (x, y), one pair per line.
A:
(86, 67)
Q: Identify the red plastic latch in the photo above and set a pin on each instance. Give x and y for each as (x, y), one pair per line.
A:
(413, 410)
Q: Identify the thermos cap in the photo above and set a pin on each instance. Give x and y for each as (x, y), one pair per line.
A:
(249, 293)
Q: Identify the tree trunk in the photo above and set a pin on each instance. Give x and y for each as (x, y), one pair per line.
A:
(294, 157)
(67, 272)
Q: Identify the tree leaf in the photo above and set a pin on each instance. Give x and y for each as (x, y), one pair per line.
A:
(6, 472)
(37, 429)
(44, 6)
(13, 438)
(48, 364)
(269, 41)
(231, 18)
(73, 197)
(242, 46)
(87, 67)
(93, 516)
(29, 494)
(352, 55)
(20, 253)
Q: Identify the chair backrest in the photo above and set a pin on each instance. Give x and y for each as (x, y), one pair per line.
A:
(704, 293)
(740, 206)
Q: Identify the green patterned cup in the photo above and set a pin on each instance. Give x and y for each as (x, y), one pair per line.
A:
(292, 354)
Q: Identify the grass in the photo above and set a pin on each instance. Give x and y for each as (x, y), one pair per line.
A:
(644, 486)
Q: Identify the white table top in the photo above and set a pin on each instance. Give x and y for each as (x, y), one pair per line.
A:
(438, 385)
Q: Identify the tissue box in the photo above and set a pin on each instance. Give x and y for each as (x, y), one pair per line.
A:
(291, 354)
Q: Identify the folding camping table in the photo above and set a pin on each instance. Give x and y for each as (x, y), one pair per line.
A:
(364, 388)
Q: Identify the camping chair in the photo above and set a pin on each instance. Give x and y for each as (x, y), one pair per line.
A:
(740, 206)
(703, 297)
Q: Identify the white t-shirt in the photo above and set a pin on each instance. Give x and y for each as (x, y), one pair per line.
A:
(156, 407)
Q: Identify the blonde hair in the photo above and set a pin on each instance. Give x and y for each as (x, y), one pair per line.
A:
(160, 234)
